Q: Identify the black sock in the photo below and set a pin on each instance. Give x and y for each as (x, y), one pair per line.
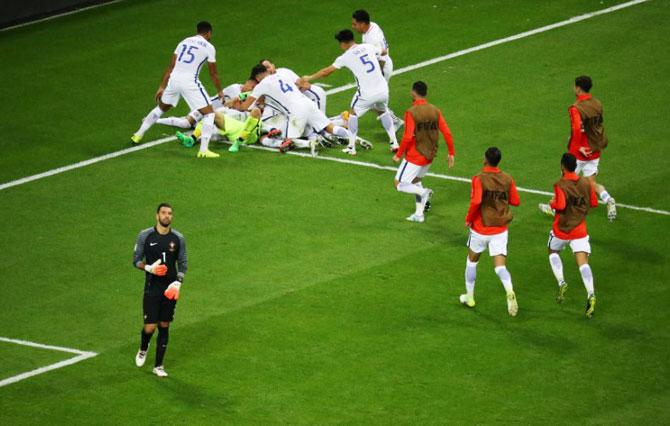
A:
(162, 341)
(146, 338)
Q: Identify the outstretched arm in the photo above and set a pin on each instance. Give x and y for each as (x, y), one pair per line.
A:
(324, 72)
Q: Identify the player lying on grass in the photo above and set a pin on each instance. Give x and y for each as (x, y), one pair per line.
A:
(181, 80)
(573, 197)
(373, 91)
(230, 128)
(587, 140)
(283, 95)
(230, 93)
(493, 191)
(424, 122)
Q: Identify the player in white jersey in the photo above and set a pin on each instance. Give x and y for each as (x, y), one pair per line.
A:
(282, 94)
(315, 93)
(373, 89)
(230, 93)
(181, 80)
(371, 33)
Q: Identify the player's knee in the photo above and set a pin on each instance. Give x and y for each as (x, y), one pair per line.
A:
(149, 328)
(163, 324)
(256, 113)
(396, 183)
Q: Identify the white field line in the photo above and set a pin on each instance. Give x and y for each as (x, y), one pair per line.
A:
(60, 15)
(80, 356)
(350, 86)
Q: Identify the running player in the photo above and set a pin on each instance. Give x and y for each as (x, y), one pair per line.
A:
(419, 145)
(587, 140)
(160, 251)
(373, 89)
(181, 80)
(493, 191)
(573, 197)
(372, 33)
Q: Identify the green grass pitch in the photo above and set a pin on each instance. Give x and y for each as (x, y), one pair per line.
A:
(309, 299)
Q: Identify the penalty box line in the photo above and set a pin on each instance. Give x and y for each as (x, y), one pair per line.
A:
(79, 356)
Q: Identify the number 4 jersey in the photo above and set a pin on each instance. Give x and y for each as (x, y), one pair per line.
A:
(361, 59)
(169, 248)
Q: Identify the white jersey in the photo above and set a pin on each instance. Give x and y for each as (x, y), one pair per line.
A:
(375, 36)
(191, 53)
(232, 91)
(361, 59)
(287, 74)
(281, 94)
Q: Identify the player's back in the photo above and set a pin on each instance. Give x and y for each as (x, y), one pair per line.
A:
(361, 59)
(191, 53)
(281, 93)
(375, 36)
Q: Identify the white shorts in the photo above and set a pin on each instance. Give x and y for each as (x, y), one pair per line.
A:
(496, 243)
(580, 244)
(310, 116)
(378, 102)
(191, 90)
(587, 168)
(407, 171)
(317, 95)
(388, 69)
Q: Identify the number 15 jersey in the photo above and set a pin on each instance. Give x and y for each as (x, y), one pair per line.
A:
(191, 53)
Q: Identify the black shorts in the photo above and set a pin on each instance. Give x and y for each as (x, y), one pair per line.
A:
(157, 307)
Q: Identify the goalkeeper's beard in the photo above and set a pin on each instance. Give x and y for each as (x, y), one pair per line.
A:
(166, 222)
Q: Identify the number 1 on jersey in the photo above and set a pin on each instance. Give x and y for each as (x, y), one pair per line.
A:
(164, 258)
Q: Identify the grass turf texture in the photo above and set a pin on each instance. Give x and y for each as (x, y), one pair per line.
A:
(309, 299)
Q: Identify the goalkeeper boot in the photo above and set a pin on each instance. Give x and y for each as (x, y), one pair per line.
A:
(235, 147)
(140, 358)
(285, 146)
(562, 288)
(208, 154)
(135, 139)
(466, 300)
(186, 140)
(590, 306)
(160, 371)
(512, 305)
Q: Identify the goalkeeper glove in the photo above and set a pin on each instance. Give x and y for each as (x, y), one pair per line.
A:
(156, 268)
(172, 292)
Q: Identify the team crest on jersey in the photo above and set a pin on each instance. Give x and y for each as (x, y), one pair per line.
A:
(172, 246)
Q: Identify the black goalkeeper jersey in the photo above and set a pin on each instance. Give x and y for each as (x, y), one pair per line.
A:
(169, 248)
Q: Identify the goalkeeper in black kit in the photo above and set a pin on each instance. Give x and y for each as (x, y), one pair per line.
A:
(160, 251)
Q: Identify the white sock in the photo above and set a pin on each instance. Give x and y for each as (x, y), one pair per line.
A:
(587, 277)
(207, 130)
(557, 267)
(271, 142)
(470, 277)
(337, 121)
(505, 278)
(387, 122)
(605, 196)
(410, 188)
(300, 143)
(149, 121)
(353, 127)
(175, 122)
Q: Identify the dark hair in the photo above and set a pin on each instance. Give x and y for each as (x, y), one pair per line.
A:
(493, 156)
(361, 16)
(344, 36)
(161, 205)
(569, 162)
(257, 70)
(203, 27)
(584, 82)
(420, 88)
